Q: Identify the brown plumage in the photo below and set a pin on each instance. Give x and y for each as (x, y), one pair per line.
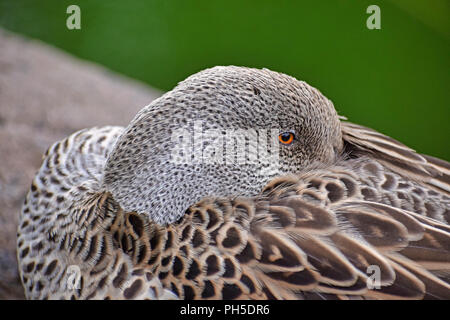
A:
(109, 216)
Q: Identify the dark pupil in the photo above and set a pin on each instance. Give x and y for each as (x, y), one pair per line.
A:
(285, 136)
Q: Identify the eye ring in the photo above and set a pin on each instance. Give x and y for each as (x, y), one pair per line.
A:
(286, 138)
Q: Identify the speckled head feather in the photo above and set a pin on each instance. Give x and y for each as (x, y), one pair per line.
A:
(142, 176)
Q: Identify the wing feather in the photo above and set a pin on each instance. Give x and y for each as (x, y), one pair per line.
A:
(435, 173)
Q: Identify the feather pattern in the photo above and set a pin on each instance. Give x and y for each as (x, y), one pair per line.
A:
(373, 224)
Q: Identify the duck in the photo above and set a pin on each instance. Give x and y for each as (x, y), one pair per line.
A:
(239, 183)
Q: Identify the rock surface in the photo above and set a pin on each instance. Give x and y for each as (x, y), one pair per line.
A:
(45, 95)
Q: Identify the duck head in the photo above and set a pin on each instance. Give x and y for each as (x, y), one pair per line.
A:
(225, 131)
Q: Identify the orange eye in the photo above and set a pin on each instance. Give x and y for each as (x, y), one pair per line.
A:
(286, 137)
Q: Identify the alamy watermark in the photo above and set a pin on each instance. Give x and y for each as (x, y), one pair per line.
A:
(73, 21)
(194, 145)
(374, 278)
(74, 279)
(374, 20)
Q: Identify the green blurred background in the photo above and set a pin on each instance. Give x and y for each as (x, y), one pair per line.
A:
(395, 80)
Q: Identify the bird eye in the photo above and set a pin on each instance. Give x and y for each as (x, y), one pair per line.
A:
(286, 138)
